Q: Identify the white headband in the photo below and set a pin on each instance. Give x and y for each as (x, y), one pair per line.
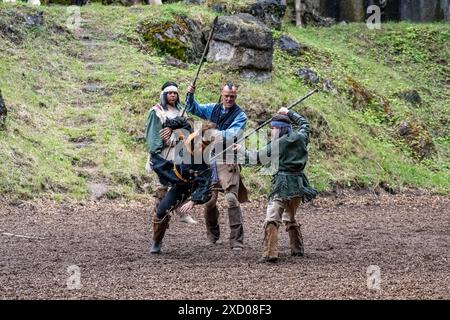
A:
(170, 89)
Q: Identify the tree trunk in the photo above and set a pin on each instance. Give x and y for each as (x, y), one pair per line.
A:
(298, 13)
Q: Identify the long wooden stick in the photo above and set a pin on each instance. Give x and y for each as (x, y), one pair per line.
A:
(263, 124)
(205, 51)
(22, 236)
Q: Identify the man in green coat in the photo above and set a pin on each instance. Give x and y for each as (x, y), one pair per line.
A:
(288, 151)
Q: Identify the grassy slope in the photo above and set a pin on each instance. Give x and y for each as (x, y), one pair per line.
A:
(41, 80)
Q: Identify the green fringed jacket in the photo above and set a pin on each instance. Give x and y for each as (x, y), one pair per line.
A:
(289, 155)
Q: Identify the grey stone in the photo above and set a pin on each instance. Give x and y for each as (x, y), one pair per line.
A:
(243, 30)
(269, 12)
(240, 57)
(34, 20)
(174, 62)
(98, 190)
(136, 86)
(404, 129)
(256, 75)
(242, 42)
(136, 73)
(411, 96)
(308, 76)
(329, 87)
(219, 8)
(94, 88)
(289, 45)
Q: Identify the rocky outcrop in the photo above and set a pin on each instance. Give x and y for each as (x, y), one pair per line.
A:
(243, 43)
(240, 41)
(269, 12)
(183, 39)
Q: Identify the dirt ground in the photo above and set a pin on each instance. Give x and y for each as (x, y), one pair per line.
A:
(44, 244)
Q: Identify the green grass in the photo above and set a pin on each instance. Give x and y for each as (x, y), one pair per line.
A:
(41, 79)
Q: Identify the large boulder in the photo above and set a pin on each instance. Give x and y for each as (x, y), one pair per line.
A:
(243, 43)
(269, 12)
(243, 30)
(184, 39)
(289, 45)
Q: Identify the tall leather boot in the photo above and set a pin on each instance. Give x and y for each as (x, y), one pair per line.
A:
(236, 228)
(270, 246)
(295, 239)
(211, 214)
(159, 229)
(212, 224)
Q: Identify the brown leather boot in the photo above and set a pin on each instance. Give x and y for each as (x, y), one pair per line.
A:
(296, 239)
(270, 247)
(211, 214)
(159, 229)
(236, 228)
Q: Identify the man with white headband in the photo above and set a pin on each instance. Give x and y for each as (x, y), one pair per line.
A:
(230, 122)
(161, 139)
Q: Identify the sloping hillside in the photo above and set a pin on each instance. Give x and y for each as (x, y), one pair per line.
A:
(77, 101)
